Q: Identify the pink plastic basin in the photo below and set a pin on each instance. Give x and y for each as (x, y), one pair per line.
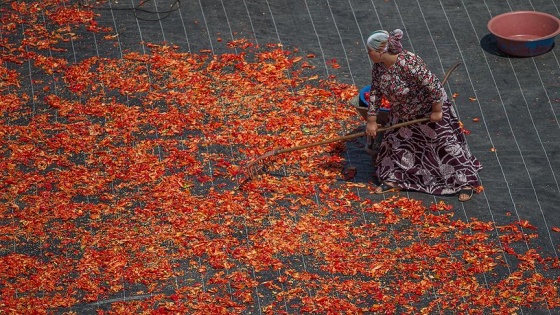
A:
(524, 33)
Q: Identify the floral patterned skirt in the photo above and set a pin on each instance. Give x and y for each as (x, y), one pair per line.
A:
(433, 158)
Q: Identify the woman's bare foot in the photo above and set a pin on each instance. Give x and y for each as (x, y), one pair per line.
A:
(465, 194)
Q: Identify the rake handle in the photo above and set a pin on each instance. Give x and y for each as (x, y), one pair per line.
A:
(350, 136)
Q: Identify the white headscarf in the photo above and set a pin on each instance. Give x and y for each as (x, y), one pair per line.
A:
(387, 42)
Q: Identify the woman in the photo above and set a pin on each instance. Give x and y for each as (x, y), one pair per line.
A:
(430, 157)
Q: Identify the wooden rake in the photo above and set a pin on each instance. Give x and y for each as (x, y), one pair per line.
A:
(253, 168)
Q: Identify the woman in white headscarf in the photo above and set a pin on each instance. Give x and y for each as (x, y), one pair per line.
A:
(430, 157)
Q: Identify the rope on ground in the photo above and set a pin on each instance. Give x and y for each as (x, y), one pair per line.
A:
(175, 5)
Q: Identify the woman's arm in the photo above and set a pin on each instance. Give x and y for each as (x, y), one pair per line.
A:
(374, 103)
(428, 82)
(373, 107)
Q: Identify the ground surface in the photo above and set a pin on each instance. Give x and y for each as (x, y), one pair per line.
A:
(123, 140)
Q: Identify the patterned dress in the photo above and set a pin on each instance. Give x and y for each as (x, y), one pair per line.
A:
(430, 157)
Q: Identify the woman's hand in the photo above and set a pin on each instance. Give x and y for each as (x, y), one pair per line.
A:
(437, 113)
(436, 116)
(371, 128)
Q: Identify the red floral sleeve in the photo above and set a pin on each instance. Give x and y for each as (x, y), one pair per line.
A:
(374, 101)
(375, 95)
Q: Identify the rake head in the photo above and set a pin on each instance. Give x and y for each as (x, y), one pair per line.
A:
(255, 167)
